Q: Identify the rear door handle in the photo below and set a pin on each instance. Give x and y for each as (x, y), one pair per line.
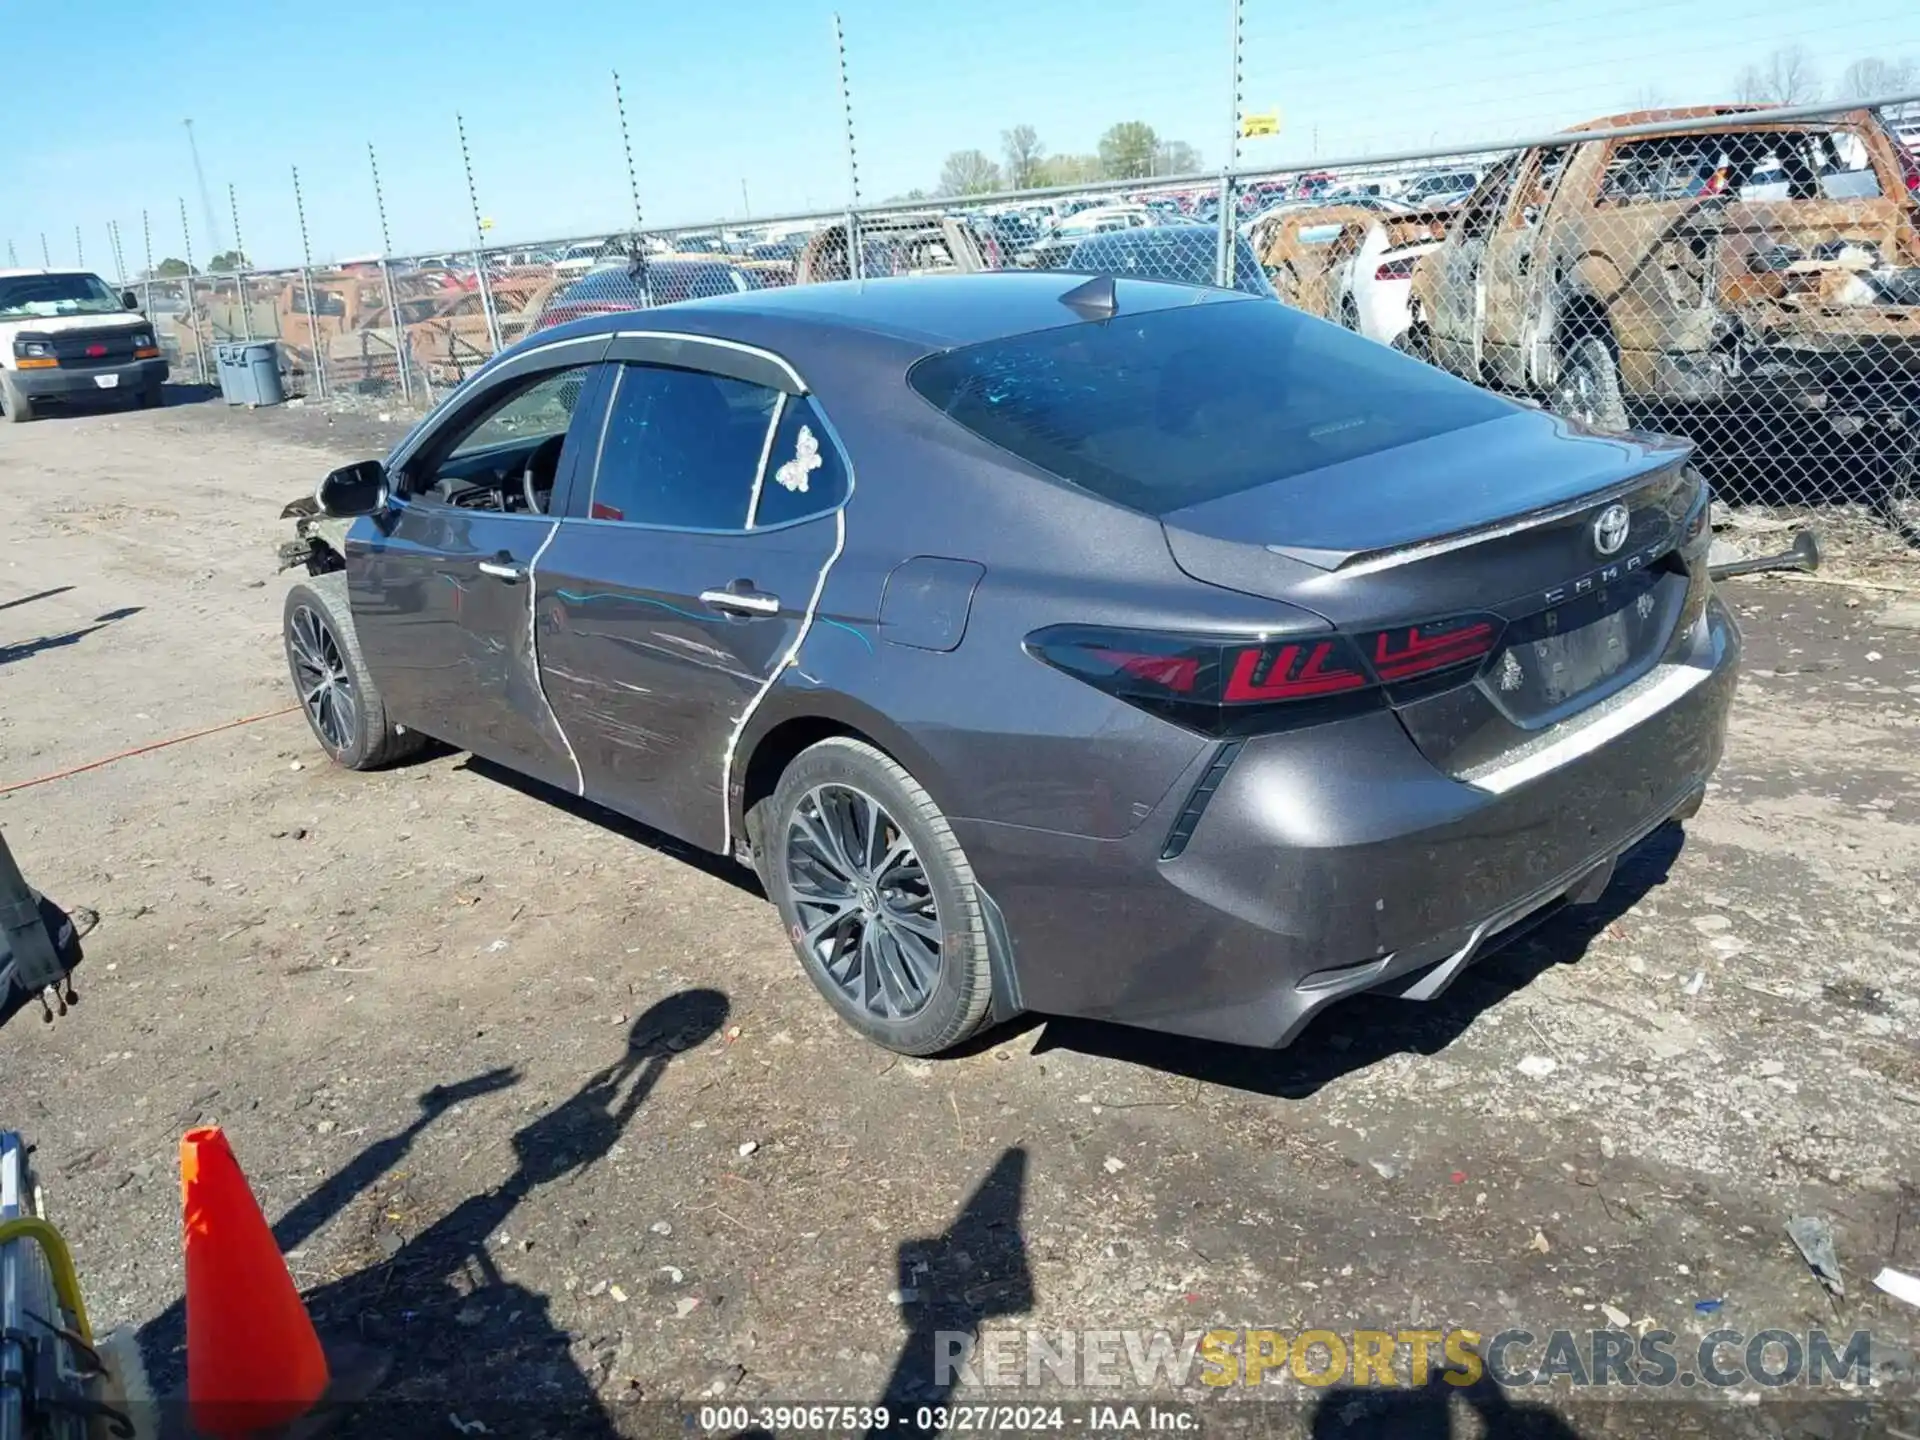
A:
(744, 602)
(506, 570)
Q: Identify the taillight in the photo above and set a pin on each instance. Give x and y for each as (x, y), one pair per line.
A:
(1226, 686)
(1297, 670)
(1909, 167)
(1401, 269)
(1427, 649)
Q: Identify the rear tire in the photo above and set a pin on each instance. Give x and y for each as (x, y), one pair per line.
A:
(330, 679)
(1416, 342)
(877, 898)
(15, 406)
(1589, 388)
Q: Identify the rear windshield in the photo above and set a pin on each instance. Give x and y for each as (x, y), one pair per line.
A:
(1171, 408)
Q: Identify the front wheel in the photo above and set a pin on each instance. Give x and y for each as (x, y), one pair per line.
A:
(1589, 388)
(878, 898)
(15, 405)
(330, 677)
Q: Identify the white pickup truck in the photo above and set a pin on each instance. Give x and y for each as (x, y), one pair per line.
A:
(65, 333)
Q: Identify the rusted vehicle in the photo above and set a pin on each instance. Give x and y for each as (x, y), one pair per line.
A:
(1751, 263)
(907, 244)
(1303, 251)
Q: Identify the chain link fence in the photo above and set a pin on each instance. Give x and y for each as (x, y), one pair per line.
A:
(1747, 279)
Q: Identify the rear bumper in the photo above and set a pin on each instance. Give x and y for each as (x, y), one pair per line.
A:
(1337, 859)
(127, 378)
(1810, 371)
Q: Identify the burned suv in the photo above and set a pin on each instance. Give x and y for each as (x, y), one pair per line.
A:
(1750, 263)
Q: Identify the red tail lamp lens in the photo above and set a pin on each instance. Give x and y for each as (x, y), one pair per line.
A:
(1294, 671)
(1412, 650)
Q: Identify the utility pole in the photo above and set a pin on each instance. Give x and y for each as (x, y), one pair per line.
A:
(856, 267)
(626, 145)
(746, 205)
(206, 198)
(1227, 254)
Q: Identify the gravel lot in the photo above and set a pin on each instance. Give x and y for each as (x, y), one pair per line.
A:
(545, 1107)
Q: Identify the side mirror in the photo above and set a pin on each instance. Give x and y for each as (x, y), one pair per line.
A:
(359, 489)
(129, 300)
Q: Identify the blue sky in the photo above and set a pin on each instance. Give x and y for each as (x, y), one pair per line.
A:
(746, 92)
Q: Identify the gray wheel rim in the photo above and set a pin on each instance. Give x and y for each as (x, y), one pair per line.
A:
(320, 673)
(865, 907)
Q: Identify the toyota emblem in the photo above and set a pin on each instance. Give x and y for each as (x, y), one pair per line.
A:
(1610, 529)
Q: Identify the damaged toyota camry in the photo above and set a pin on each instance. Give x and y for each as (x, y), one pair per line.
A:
(1045, 643)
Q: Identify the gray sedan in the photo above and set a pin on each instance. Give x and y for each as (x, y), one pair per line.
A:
(1100, 647)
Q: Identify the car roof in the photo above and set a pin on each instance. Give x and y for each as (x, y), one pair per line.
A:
(1730, 113)
(6, 274)
(936, 311)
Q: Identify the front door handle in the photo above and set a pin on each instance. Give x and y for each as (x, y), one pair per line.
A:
(510, 571)
(744, 602)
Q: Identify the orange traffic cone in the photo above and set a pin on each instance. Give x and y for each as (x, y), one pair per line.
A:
(253, 1359)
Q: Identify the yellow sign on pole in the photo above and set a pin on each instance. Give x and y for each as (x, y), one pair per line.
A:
(1264, 124)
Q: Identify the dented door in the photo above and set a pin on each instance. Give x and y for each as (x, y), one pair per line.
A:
(663, 616)
(441, 581)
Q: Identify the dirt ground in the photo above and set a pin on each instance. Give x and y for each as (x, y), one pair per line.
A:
(546, 1109)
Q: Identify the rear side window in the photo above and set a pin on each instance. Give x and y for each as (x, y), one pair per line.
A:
(1754, 165)
(804, 475)
(681, 449)
(1170, 408)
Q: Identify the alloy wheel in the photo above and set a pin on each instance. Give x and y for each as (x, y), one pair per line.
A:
(320, 672)
(1577, 393)
(865, 906)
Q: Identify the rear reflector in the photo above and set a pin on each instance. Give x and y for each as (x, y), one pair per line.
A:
(1222, 685)
(1196, 805)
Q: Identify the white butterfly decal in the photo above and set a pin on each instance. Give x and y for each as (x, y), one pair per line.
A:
(806, 460)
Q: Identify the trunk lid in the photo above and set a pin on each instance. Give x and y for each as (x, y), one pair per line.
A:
(1501, 519)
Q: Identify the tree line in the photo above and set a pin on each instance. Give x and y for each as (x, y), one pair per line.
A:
(1130, 150)
(1789, 77)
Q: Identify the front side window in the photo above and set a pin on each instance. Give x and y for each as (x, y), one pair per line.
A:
(804, 475)
(542, 410)
(507, 455)
(681, 449)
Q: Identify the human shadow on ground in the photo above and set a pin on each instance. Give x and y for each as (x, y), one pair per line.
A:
(1364, 1029)
(1437, 1410)
(29, 648)
(462, 1338)
(974, 1270)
